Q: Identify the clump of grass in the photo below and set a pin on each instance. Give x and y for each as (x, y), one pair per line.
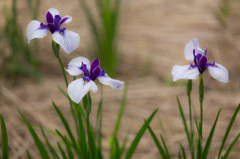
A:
(18, 58)
(104, 33)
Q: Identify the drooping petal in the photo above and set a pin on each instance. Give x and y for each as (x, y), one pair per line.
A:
(53, 11)
(79, 88)
(68, 40)
(219, 72)
(66, 19)
(75, 64)
(36, 29)
(188, 51)
(106, 80)
(184, 72)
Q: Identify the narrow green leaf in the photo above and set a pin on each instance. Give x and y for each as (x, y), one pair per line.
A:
(124, 145)
(28, 155)
(184, 121)
(209, 140)
(183, 151)
(158, 144)
(65, 123)
(165, 146)
(231, 146)
(68, 147)
(5, 154)
(228, 130)
(123, 103)
(64, 156)
(99, 129)
(139, 135)
(37, 141)
(52, 150)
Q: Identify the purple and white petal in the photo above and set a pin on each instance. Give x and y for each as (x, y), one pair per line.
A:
(68, 40)
(35, 30)
(53, 11)
(106, 80)
(219, 72)
(66, 19)
(188, 51)
(75, 64)
(184, 72)
(79, 88)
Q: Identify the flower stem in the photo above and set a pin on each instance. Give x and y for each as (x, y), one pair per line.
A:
(201, 96)
(191, 145)
(56, 50)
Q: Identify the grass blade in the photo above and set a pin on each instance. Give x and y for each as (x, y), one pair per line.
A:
(37, 141)
(65, 123)
(28, 155)
(184, 121)
(183, 151)
(5, 154)
(64, 156)
(52, 150)
(165, 146)
(158, 144)
(139, 135)
(209, 140)
(228, 130)
(231, 146)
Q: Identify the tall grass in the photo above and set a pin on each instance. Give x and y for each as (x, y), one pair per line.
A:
(18, 58)
(104, 32)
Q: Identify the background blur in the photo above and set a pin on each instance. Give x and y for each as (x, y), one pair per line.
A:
(150, 39)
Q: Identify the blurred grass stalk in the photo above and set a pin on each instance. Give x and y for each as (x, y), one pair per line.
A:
(105, 32)
(22, 60)
(224, 11)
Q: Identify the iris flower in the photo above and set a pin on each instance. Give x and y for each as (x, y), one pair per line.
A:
(194, 53)
(80, 87)
(68, 40)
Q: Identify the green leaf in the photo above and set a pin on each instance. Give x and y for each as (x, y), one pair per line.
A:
(183, 151)
(209, 140)
(99, 129)
(231, 146)
(52, 150)
(228, 130)
(139, 135)
(5, 154)
(158, 144)
(65, 123)
(184, 121)
(39, 144)
(28, 155)
(64, 156)
(120, 114)
(165, 146)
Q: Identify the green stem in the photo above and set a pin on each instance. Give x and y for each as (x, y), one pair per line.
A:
(201, 96)
(56, 50)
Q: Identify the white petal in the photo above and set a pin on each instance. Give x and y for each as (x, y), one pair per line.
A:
(75, 64)
(188, 51)
(106, 80)
(53, 11)
(34, 30)
(67, 21)
(184, 72)
(68, 40)
(219, 72)
(78, 89)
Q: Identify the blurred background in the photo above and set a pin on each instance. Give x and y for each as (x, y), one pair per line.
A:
(136, 40)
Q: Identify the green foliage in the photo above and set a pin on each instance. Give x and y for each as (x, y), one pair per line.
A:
(4, 144)
(20, 59)
(105, 32)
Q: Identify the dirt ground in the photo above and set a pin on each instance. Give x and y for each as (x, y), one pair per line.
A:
(153, 32)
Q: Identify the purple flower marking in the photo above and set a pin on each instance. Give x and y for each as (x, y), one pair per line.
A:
(68, 40)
